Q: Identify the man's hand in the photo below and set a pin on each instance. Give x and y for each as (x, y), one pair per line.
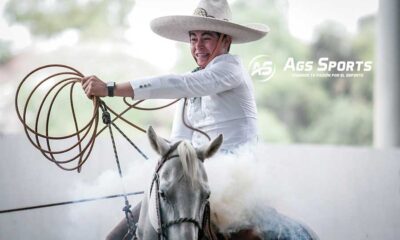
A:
(93, 86)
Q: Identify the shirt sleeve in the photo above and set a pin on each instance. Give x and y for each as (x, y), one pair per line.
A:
(219, 77)
(179, 130)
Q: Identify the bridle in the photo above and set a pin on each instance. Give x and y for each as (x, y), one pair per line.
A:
(202, 223)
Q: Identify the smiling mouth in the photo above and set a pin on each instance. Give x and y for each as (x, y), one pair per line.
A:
(202, 55)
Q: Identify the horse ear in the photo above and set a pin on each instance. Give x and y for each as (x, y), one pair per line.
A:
(159, 144)
(209, 150)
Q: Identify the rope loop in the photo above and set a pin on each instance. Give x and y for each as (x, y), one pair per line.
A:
(36, 98)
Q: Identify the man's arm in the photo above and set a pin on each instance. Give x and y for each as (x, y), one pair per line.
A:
(218, 77)
(93, 86)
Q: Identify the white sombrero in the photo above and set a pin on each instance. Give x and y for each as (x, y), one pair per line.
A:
(210, 15)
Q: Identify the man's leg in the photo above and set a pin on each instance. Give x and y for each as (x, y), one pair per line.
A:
(121, 229)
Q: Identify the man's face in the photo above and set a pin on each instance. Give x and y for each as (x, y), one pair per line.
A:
(202, 44)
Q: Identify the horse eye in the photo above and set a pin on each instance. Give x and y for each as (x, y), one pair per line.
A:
(208, 195)
(162, 194)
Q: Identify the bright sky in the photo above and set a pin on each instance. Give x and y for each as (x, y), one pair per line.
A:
(162, 51)
(304, 16)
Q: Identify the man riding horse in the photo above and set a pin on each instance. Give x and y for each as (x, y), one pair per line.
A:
(220, 90)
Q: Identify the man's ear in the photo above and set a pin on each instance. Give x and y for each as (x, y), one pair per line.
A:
(159, 144)
(227, 43)
(210, 149)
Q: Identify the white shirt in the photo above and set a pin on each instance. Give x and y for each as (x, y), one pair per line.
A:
(221, 100)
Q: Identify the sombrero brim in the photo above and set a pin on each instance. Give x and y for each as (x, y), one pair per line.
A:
(177, 28)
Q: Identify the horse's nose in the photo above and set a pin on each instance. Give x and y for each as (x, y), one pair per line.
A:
(184, 231)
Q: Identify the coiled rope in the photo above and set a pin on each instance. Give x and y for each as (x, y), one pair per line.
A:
(85, 136)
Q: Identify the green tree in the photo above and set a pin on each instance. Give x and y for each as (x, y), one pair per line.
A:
(363, 44)
(346, 122)
(333, 42)
(94, 18)
(5, 53)
(347, 116)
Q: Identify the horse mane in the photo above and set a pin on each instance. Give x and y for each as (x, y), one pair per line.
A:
(188, 158)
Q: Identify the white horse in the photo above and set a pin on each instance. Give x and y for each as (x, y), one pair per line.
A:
(176, 203)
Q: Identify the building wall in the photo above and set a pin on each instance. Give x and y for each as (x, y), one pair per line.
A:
(339, 192)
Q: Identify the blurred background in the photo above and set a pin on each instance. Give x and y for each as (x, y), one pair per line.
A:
(329, 139)
(112, 39)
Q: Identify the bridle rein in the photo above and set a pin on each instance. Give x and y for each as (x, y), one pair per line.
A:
(203, 223)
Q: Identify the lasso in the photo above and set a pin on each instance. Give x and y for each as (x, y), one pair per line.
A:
(84, 136)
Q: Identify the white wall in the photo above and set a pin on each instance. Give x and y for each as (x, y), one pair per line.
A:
(340, 192)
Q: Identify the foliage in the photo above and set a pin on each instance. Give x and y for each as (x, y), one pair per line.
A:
(363, 45)
(95, 18)
(5, 53)
(271, 129)
(345, 122)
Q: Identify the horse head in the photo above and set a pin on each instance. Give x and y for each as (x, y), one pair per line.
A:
(178, 196)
